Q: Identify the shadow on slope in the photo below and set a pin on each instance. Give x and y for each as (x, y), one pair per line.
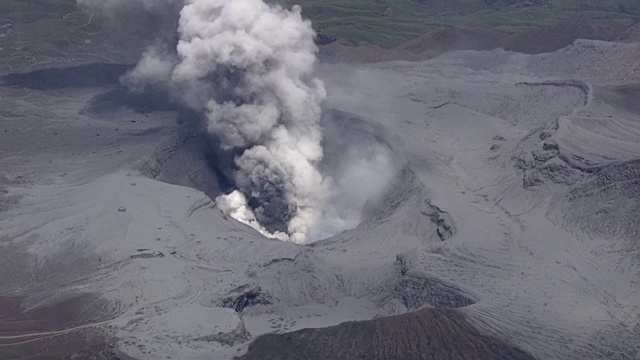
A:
(84, 76)
(190, 162)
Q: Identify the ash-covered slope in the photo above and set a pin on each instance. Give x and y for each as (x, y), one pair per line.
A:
(522, 192)
(425, 334)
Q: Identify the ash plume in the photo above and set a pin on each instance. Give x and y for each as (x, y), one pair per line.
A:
(249, 67)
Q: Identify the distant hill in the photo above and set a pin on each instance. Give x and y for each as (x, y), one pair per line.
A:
(389, 23)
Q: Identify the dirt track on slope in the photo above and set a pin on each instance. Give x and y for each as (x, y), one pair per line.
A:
(52, 332)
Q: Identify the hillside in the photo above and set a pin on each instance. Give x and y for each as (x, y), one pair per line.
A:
(389, 23)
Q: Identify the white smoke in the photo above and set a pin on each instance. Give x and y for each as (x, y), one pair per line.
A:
(235, 205)
(155, 66)
(249, 66)
(363, 175)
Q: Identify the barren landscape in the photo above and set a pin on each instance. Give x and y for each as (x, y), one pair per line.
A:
(485, 204)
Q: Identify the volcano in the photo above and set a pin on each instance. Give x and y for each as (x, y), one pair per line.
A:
(480, 204)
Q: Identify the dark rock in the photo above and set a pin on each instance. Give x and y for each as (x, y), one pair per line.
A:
(248, 297)
(324, 39)
(531, 179)
(445, 227)
(148, 255)
(237, 336)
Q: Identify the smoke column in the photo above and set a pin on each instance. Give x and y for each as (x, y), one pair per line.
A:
(249, 67)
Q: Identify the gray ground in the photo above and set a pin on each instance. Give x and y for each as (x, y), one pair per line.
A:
(512, 221)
